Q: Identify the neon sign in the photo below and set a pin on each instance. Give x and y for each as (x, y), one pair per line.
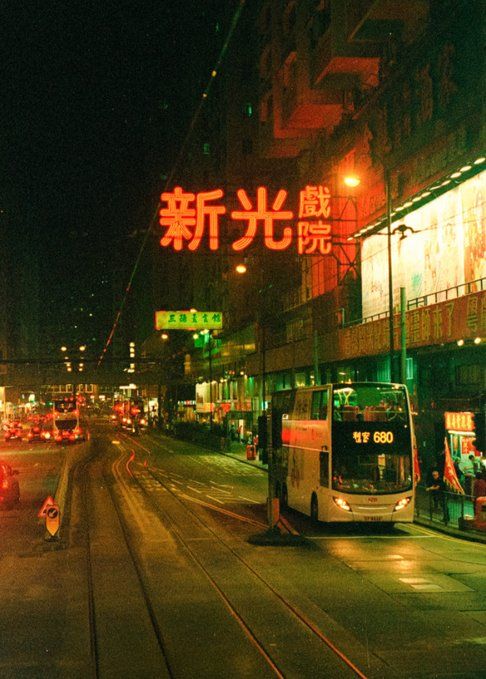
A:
(189, 217)
(462, 421)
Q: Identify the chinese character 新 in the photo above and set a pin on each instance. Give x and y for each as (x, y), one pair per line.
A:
(186, 223)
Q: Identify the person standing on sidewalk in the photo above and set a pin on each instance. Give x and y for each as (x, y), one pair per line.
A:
(469, 470)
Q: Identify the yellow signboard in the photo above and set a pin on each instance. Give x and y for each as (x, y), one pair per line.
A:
(188, 320)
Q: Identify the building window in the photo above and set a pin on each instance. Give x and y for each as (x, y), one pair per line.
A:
(206, 149)
(248, 109)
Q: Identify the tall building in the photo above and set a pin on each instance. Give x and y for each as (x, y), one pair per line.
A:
(386, 96)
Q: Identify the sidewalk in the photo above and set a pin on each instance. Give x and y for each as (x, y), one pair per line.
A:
(238, 452)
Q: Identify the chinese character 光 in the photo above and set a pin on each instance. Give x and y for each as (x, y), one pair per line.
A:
(262, 213)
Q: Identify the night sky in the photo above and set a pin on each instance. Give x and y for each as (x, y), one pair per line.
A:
(96, 98)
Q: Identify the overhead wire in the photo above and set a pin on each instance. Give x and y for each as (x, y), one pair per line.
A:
(214, 72)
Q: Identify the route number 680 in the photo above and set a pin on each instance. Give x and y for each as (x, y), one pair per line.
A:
(383, 437)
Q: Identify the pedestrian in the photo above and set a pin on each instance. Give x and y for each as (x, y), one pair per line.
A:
(469, 471)
(436, 487)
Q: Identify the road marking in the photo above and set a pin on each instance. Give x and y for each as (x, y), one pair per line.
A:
(215, 499)
(371, 537)
(194, 489)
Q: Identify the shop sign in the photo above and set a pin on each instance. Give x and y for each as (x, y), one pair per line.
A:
(462, 421)
(460, 318)
(190, 217)
(188, 320)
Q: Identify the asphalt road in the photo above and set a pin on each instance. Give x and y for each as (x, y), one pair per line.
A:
(154, 576)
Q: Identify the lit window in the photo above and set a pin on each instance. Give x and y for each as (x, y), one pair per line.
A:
(206, 149)
(248, 110)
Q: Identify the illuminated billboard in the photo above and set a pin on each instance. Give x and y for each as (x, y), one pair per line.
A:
(447, 249)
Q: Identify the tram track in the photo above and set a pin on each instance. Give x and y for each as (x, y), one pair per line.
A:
(94, 611)
(293, 610)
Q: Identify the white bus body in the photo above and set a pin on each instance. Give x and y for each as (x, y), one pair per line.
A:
(343, 452)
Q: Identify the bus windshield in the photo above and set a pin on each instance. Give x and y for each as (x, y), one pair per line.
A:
(369, 402)
(372, 448)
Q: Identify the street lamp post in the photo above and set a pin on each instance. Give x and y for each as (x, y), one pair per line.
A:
(391, 325)
(353, 181)
(210, 383)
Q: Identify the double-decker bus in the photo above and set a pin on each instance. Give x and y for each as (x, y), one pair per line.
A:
(344, 452)
(66, 419)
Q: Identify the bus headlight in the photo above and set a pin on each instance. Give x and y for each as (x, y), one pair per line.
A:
(401, 504)
(342, 504)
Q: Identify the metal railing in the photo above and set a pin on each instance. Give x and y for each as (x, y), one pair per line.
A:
(449, 509)
(425, 300)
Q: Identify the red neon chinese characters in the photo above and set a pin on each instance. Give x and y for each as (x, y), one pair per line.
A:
(312, 236)
(179, 216)
(314, 201)
(267, 216)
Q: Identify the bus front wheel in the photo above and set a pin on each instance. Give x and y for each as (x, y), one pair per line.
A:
(314, 509)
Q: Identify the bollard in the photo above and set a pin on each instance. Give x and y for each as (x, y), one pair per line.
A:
(250, 452)
(480, 514)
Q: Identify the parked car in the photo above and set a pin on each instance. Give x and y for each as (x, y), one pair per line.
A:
(13, 431)
(9, 486)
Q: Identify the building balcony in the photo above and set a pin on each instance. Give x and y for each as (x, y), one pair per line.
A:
(334, 56)
(311, 109)
(370, 21)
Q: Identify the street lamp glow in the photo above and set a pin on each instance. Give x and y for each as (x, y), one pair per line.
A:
(352, 181)
(82, 347)
(63, 348)
(164, 336)
(478, 340)
(240, 268)
(195, 336)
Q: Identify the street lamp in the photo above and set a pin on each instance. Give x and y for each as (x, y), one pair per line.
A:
(267, 453)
